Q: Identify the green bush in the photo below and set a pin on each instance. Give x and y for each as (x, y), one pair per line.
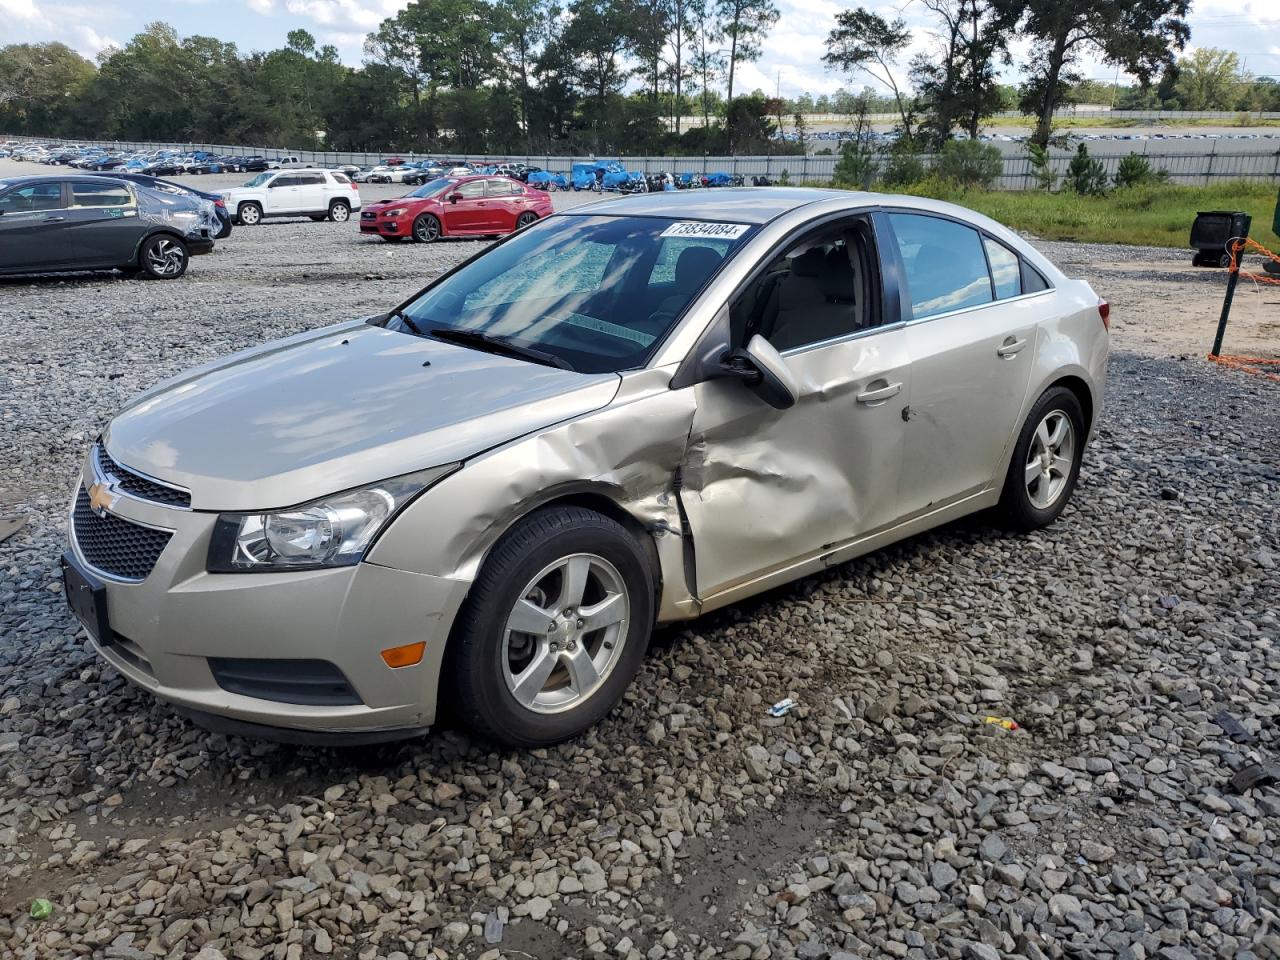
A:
(1041, 167)
(902, 167)
(1135, 171)
(857, 166)
(1086, 175)
(970, 163)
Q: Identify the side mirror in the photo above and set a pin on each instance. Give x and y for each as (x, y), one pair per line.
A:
(455, 197)
(764, 372)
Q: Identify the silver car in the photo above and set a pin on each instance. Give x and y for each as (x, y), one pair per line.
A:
(631, 413)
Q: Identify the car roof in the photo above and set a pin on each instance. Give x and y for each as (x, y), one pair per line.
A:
(741, 204)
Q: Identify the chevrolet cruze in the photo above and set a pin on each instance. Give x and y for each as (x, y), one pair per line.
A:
(631, 413)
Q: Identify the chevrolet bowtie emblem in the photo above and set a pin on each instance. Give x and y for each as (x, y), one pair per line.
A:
(101, 499)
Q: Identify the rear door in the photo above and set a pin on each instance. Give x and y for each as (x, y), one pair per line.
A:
(312, 197)
(971, 340)
(34, 227)
(506, 202)
(105, 222)
(470, 212)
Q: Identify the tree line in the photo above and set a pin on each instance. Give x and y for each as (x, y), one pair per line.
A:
(603, 76)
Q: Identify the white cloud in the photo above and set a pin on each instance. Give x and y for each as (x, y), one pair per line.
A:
(263, 7)
(24, 11)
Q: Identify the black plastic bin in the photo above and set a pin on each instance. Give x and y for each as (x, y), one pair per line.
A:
(1210, 233)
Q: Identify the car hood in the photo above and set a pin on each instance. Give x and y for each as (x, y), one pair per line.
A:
(336, 408)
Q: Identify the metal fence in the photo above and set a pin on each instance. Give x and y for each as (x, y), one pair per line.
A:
(1191, 169)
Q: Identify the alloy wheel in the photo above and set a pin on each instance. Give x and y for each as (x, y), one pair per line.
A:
(565, 633)
(426, 229)
(166, 257)
(1049, 459)
(339, 213)
(249, 215)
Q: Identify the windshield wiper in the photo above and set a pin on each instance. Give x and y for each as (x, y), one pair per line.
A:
(487, 341)
(407, 320)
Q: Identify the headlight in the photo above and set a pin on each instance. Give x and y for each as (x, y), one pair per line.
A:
(397, 212)
(331, 532)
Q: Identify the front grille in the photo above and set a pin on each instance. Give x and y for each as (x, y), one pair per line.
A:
(370, 215)
(113, 545)
(310, 682)
(136, 485)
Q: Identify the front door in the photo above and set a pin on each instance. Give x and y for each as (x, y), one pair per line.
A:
(765, 489)
(104, 219)
(34, 227)
(282, 194)
(470, 212)
(971, 345)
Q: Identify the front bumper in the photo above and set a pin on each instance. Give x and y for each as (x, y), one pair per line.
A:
(166, 627)
(398, 227)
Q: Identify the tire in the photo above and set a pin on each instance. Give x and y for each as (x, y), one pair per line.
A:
(522, 581)
(225, 232)
(249, 214)
(163, 257)
(339, 211)
(1033, 497)
(525, 219)
(426, 229)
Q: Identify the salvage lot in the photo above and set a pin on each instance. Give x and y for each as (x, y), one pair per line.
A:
(882, 817)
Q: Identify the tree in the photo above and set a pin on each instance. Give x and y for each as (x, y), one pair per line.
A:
(1139, 36)
(743, 23)
(522, 27)
(1085, 174)
(708, 60)
(865, 42)
(36, 81)
(970, 163)
(1209, 79)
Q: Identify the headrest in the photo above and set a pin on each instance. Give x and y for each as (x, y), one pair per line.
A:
(809, 263)
(695, 264)
(838, 281)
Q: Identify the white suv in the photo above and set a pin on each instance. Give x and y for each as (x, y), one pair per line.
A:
(293, 193)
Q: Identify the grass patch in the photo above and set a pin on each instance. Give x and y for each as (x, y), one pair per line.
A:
(1156, 215)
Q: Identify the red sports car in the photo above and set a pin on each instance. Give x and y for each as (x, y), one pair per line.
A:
(457, 207)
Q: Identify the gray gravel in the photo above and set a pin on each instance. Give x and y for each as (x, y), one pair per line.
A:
(882, 817)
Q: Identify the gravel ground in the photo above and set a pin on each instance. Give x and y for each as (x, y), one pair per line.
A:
(1135, 643)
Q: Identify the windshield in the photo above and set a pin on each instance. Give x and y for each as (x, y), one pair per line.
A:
(598, 293)
(259, 180)
(432, 187)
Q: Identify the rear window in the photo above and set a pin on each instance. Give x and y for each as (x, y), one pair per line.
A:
(340, 177)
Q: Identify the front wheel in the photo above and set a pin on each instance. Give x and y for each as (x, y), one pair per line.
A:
(1045, 463)
(339, 211)
(554, 629)
(426, 229)
(163, 257)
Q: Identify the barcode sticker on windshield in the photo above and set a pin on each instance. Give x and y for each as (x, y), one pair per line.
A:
(705, 231)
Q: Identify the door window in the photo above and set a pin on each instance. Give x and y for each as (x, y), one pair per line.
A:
(944, 262)
(309, 179)
(284, 182)
(501, 187)
(471, 190)
(1005, 272)
(824, 286)
(35, 196)
(104, 194)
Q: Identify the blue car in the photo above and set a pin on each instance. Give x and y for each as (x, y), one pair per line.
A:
(168, 186)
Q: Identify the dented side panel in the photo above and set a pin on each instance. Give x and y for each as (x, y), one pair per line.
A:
(628, 452)
(765, 488)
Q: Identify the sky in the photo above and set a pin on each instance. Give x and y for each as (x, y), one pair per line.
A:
(791, 60)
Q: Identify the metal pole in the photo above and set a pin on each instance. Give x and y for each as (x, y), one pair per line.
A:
(1237, 250)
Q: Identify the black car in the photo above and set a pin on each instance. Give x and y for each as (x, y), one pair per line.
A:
(253, 164)
(168, 186)
(60, 224)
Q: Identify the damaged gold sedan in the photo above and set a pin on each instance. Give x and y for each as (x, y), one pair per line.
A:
(631, 413)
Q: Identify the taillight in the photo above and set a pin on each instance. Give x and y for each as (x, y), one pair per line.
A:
(1104, 311)
(353, 185)
(220, 203)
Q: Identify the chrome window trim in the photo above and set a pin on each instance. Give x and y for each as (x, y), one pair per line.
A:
(836, 341)
(977, 306)
(120, 491)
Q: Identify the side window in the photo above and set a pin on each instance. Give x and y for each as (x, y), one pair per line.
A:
(284, 182)
(340, 178)
(822, 287)
(1006, 273)
(1032, 280)
(471, 190)
(309, 179)
(945, 266)
(100, 195)
(37, 196)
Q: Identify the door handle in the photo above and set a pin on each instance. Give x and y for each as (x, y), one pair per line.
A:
(54, 219)
(879, 394)
(1011, 347)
